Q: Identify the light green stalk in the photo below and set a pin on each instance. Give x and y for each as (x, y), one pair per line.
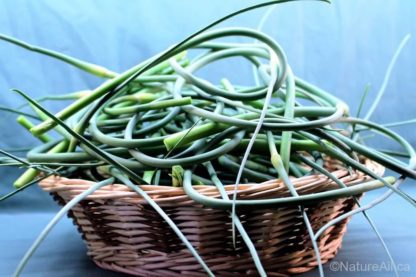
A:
(98, 93)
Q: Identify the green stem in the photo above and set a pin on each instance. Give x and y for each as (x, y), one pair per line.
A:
(22, 120)
(88, 67)
(285, 147)
(31, 173)
(155, 105)
(213, 127)
(97, 93)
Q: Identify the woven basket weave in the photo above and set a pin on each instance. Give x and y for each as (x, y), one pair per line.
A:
(123, 233)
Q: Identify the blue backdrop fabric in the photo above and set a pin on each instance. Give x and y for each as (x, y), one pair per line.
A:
(340, 47)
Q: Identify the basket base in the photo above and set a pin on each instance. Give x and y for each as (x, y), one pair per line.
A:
(125, 234)
(140, 244)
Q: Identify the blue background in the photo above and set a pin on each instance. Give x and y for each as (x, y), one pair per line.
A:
(340, 47)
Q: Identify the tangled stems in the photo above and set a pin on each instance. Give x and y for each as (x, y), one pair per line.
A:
(174, 106)
(357, 165)
(88, 144)
(94, 95)
(159, 120)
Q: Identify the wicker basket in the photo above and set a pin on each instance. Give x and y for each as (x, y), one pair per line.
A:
(123, 233)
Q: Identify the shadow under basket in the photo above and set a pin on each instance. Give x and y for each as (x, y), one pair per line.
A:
(123, 233)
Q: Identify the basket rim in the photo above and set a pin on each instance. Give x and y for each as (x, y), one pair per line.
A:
(356, 182)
